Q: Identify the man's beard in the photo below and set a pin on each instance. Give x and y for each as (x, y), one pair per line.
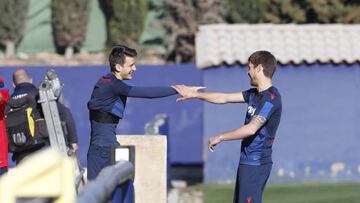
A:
(252, 83)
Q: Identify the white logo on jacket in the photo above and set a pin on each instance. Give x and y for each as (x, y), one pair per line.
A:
(20, 96)
(251, 110)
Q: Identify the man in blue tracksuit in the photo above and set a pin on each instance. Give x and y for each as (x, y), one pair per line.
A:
(107, 105)
(258, 132)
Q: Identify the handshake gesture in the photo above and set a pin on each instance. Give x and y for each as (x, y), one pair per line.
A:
(187, 92)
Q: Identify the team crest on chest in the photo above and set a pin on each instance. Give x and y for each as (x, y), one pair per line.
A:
(251, 110)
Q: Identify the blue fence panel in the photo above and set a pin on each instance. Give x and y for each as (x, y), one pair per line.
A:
(318, 135)
(185, 118)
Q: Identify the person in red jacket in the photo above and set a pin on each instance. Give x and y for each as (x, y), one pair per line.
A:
(4, 96)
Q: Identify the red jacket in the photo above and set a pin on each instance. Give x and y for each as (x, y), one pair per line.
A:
(3, 137)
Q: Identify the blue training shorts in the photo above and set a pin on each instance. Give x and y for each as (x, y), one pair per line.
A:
(250, 183)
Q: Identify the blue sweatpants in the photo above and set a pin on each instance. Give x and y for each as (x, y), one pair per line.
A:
(98, 157)
(250, 183)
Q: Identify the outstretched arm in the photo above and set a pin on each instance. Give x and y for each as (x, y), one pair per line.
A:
(151, 92)
(212, 97)
(121, 88)
(240, 133)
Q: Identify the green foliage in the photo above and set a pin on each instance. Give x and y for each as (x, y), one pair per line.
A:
(293, 11)
(153, 37)
(246, 11)
(69, 20)
(284, 11)
(333, 11)
(266, 11)
(12, 19)
(126, 21)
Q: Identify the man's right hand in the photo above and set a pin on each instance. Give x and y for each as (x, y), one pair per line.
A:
(187, 92)
(1, 97)
(74, 147)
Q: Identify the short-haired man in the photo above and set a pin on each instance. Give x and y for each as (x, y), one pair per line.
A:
(258, 132)
(107, 105)
(25, 93)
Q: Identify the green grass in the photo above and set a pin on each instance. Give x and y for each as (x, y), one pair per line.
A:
(289, 193)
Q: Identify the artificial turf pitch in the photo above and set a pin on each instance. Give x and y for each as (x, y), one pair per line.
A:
(290, 193)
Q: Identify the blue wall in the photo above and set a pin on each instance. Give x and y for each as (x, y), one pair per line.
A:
(319, 128)
(185, 118)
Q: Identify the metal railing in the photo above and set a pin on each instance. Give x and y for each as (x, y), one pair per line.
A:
(110, 178)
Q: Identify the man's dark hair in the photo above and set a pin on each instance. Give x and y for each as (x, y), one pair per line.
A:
(266, 59)
(117, 55)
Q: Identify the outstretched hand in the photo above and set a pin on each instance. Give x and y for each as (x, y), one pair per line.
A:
(187, 92)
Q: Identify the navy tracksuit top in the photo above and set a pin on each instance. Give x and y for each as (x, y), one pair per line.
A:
(257, 149)
(109, 95)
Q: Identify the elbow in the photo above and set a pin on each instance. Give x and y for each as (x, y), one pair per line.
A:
(251, 130)
(219, 100)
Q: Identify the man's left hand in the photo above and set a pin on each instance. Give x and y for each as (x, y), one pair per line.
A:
(213, 141)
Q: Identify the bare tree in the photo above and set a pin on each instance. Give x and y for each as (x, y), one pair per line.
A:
(182, 17)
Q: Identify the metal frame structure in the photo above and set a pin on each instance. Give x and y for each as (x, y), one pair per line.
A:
(50, 93)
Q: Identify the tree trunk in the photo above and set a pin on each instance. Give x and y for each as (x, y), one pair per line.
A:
(69, 52)
(10, 49)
